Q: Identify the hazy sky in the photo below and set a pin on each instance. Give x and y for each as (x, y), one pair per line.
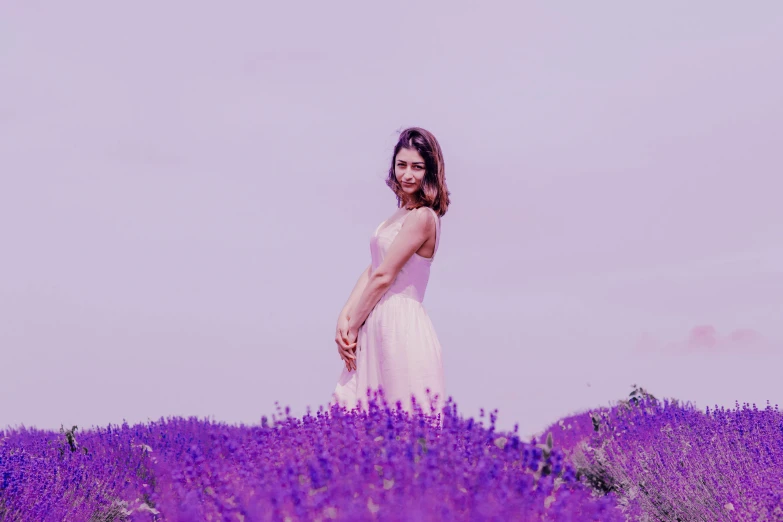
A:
(188, 191)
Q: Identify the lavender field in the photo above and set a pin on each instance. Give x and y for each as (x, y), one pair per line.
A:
(641, 459)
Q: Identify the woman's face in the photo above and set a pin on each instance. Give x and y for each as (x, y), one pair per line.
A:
(409, 169)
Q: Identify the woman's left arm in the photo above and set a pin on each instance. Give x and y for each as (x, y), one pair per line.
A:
(417, 227)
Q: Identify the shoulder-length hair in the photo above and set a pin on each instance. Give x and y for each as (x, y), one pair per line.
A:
(433, 191)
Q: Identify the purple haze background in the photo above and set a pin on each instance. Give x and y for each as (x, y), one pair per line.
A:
(188, 192)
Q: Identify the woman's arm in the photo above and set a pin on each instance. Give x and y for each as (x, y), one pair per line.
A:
(361, 283)
(418, 226)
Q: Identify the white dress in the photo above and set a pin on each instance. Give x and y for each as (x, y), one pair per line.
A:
(397, 348)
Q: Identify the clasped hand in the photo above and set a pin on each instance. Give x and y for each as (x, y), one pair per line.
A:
(345, 338)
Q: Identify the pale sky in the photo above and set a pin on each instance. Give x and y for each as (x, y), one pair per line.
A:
(188, 192)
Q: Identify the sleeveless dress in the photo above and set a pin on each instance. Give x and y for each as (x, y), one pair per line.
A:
(397, 348)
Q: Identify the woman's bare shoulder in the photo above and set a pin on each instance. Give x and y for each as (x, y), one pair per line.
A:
(421, 218)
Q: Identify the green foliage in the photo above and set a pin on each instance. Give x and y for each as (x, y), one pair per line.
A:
(638, 393)
(591, 461)
(70, 436)
(117, 512)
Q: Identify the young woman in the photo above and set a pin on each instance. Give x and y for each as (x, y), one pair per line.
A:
(384, 335)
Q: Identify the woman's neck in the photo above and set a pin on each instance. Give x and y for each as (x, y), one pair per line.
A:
(410, 204)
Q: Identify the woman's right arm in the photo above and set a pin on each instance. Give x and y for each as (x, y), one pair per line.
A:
(343, 346)
(364, 278)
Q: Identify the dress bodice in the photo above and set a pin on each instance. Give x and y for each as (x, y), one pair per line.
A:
(412, 279)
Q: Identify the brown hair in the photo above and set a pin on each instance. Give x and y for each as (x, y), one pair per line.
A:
(433, 192)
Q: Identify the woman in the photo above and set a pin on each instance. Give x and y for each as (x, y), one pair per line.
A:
(384, 335)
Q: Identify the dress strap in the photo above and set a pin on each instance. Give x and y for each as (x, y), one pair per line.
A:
(437, 232)
(378, 228)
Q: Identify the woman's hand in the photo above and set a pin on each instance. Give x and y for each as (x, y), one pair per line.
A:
(351, 338)
(352, 335)
(345, 347)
